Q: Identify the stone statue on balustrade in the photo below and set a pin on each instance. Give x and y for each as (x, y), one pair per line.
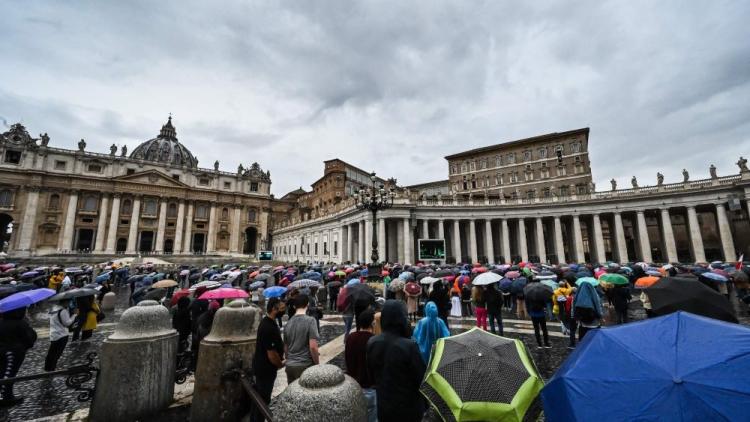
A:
(45, 139)
(685, 176)
(712, 171)
(614, 184)
(592, 187)
(240, 169)
(742, 163)
(112, 150)
(659, 179)
(81, 145)
(634, 182)
(124, 151)
(216, 165)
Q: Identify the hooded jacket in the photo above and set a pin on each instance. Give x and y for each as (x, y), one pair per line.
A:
(587, 298)
(395, 362)
(428, 330)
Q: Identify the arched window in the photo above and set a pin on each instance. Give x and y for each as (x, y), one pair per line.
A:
(172, 210)
(54, 202)
(251, 214)
(6, 198)
(127, 207)
(225, 214)
(89, 203)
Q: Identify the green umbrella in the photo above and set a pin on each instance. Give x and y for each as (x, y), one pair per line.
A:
(339, 274)
(481, 376)
(616, 279)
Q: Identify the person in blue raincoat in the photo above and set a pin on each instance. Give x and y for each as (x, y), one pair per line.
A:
(587, 309)
(428, 330)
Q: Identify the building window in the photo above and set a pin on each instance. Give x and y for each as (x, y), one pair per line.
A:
(546, 192)
(201, 211)
(94, 168)
(251, 214)
(578, 159)
(335, 247)
(463, 168)
(172, 210)
(454, 170)
(149, 207)
(176, 177)
(576, 146)
(499, 179)
(253, 186)
(127, 207)
(514, 177)
(89, 204)
(130, 171)
(60, 165)
(325, 248)
(12, 157)
(498, 161)
(561, 171)
(529, 176)
(544, 173)
(54, 202)
(542, 153)
(225, 214)
(203, 181)
(564, 191)
(530, 194)
(527, 156)
(484, 163)
(6, 199)
(512, 158)
(581, 189)
(227, 185)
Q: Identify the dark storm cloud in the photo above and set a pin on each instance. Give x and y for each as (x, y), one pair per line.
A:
(389, 86)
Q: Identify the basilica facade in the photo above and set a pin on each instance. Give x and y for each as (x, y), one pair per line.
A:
(155, 200)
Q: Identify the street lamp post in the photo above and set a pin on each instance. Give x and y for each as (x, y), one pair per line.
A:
(374, 199)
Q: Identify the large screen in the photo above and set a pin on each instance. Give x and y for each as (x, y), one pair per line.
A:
(265, 256)
(431, 249)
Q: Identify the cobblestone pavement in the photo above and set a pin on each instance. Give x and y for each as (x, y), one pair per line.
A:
(51, 397)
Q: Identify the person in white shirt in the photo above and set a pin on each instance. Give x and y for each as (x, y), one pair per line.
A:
(60, 321)
(65, 283)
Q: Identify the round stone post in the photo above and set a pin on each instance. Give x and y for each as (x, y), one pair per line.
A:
(137, 366)
(322, 393)
(108, 301)
(229, 345)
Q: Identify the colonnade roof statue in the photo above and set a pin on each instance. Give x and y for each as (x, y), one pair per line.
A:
(165, 148)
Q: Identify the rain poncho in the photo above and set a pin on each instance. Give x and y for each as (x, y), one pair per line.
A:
(587, 297)
(428, 330)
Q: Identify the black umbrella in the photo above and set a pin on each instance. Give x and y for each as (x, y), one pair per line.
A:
(537, 292)
(72, 294)
(442, 273)
(673, 294)
(262, 277)
(155, 294)
(361, 295)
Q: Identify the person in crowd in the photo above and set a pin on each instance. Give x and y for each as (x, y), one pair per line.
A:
(202, 329)
(572, 323)
(333, 294)
(480, 306)
(620, 299)
(313, 309)
(16, 337)
(587, 309)
(346, 307)
(60, 320)
(559, 297)
(301, 340)
(412, 301)
(269, 354)
(181, 322)
(355, 356)
(646, 304)
(197, 308)
(93, 316)
(428, 330)
(82, 305)
(456, 302)
(66, 283)
(55, 281)
(521, 311)
(494, 303)
(537, 311)
(397, 367)
(440, 295)
(466, 300)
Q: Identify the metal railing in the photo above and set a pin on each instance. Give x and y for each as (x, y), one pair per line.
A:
(246, 378)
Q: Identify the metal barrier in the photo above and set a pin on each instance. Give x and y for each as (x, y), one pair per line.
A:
(246, 378)
(76, 376)
(184, 367)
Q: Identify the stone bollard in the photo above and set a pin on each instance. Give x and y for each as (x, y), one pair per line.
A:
(137, 366)
(322, 393)
(229, 345)
(108, 302)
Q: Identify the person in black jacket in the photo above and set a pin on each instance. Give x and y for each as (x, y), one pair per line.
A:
(620, 299)
(397, 368)
(440, 295)
(494, 300)
(181, 322)
(16, 337)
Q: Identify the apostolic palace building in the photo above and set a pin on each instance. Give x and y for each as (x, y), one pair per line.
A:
(528, 199)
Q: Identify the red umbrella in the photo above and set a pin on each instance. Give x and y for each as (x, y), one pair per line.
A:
(412, 288)
(463, 279)
(254, 274)
(224, 293)
(348, 270)
(478, 270)
(384, 273)
(177, 295)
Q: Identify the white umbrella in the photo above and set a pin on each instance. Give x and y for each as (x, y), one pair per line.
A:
(428, 280)
(486, 278)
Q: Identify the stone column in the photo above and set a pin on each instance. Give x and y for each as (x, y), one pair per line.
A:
(425, 229)
(362, 243)
(136, 391)
(408, 242)
(66, 242)
(643, 240)
(506, 241)
(114, 221)
(344, 243)
(161, 227)
(29, 219)
(457, 240)
(350, 255)
(101, 227)
(725, 232)
(234, 234)
(179, 227)
(441, 229)
(601, 256)
(473, 241)
(488, 243)
(559, 245)
(368, 239)
(211, 241)
(188, 240)
(230, 345)
(133, 231)
(523, 249)
(621, 247)
(541, 248)
(696, 238)
(578, 240)
(668, 236)
(381, 239)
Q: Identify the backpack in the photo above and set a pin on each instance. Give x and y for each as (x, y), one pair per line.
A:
(342, 301)
(585, 315)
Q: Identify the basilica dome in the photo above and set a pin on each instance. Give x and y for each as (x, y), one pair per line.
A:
(165, 149)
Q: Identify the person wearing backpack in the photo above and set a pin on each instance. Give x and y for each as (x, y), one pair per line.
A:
(60, 321)
(587, 309)
(346, 307)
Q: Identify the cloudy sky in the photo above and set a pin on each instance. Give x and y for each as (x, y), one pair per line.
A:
(387, 86)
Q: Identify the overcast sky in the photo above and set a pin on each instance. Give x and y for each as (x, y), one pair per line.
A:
(387, 86)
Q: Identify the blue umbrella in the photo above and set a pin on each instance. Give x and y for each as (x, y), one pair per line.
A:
(680, 367)
(24, 299)
(505, 284)
(353, 282)
(311, 275)
(714, 276)
(256, 285)
(275, 291)
(101, 278)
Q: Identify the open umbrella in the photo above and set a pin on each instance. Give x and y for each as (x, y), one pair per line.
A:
(680, 367)
(224, 293)
(396, 285)
(645, 282)
(478, 376)
(591, 280)
(177, 295)
(552, 284)
(428, 280)
(512, 274)
(206, 284)
(155, 294)
(24, 299)
(537, 292)
(673, 294)
(72, 294)
(334, 284)
(714, 276)
(299, 284)
(256, 285)
(412, 288)
(275, 291)
(486, 278)
(360, 294)
(406, 275)
(263, 277)
(517, 285)
(164, 284)
(616, 279)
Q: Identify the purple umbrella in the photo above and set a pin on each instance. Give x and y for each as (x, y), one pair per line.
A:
(30, 274)
(24, 299)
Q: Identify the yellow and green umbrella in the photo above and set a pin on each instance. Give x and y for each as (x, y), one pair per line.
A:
(477, 376)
